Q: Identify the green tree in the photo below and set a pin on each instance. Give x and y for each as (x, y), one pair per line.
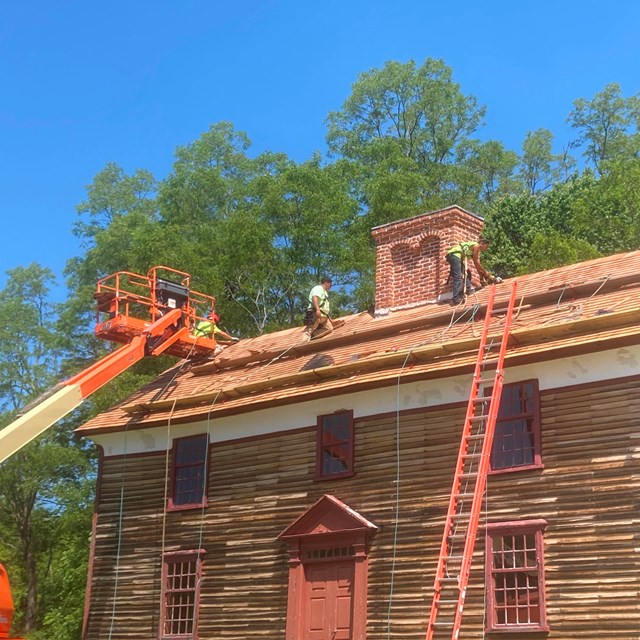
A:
(518, 224)
(608, 215)
(41, 481)
(607, 125)
(418, 111)
(539, 168)
(553, 249)
(487, 173)
(310, 213)
(410, 129)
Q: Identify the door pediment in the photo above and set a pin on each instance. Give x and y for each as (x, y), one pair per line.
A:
(328, 516)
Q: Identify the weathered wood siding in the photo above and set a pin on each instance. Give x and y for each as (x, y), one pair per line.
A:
(588, 492)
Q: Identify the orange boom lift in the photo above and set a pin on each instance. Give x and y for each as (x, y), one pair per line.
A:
(149, 315)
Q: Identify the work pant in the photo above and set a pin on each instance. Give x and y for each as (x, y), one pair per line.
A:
(456, 268)
(320, 326)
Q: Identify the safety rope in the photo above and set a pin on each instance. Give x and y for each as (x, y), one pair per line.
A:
(121, 505)
(166, 472)
(205, 484)
(119, 532)
(166, 494)
(397, 500)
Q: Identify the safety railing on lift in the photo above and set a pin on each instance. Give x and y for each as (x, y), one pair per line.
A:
(128, 302)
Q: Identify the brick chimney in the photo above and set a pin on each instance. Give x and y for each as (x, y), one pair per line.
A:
(410, 265)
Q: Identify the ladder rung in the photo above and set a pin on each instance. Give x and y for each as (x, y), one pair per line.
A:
(456, 557)
(489, 362)
(482, 399)
(478, 418)
(461, 517)
(441, 601)
(492, 379)
(476, 436)
(471, 474)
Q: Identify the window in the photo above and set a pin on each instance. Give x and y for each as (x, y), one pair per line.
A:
(335, 445)
(515, 576)
(181, 576)
(189, 478)
(516, 442)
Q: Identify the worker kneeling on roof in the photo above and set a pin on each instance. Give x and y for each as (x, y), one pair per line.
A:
(209, 327)
(460, 274)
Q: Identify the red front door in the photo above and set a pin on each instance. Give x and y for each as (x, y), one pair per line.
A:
(328, 602)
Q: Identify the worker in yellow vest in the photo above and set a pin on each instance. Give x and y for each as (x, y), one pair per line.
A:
(209, 327)
(460, 274)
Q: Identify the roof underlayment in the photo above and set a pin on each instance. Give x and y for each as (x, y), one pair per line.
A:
(589, 306)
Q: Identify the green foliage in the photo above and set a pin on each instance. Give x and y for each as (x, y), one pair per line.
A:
(402, 109)
(608, 215)
(113, 195)
(515, 224)
(539, 167)
(41, 484)
(607, 126)
(552, 249)
(28, 345)
(410, 129)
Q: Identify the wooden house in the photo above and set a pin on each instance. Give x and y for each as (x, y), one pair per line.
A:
(293, 490)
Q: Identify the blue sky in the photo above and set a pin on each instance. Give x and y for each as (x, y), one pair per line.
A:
(86, 83)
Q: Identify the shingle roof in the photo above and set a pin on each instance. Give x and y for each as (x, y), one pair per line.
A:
(588, 306)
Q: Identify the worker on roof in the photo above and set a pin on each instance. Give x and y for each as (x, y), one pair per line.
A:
(209, 327)
(317, 318)
(460, 274)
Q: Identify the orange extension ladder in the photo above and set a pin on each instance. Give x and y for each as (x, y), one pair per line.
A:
(470, 479)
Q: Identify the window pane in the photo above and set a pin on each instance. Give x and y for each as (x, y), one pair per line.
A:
(191, 450)
(334, 462)
(514, 442)
(190, 470)
(515, 577)
(180, 597)
(336, 447)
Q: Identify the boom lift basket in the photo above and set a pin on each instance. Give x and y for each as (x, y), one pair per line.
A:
(127, 303)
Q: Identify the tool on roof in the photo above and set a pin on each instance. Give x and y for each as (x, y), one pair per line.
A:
(150, 315)
(470, 479)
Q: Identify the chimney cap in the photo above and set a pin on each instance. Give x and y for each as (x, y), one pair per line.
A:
(428, 213)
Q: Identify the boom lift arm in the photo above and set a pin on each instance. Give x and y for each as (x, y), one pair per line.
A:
(170, 306)
(75, 390)
(150, 315)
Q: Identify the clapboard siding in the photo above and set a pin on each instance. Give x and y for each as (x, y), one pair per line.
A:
(587, 492)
